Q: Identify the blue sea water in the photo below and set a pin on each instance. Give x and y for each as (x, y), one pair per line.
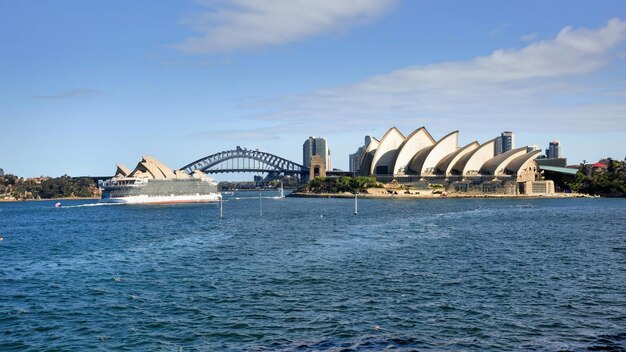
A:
(441, 274)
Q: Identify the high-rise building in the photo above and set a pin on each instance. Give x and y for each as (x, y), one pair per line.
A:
(1, 172)
(356, 158)
(554, 150)
(504, 142)
(316, 146)
(508, 141)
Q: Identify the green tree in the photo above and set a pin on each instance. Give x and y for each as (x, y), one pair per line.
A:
(611, 182)
(342, 184)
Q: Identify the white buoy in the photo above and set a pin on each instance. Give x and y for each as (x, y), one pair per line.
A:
(57, 204)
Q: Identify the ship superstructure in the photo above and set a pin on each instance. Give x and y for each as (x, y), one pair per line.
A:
(152, 182)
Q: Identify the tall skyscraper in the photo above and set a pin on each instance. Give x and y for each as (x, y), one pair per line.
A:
(508, 141)
(316, 146)
(355, 159)
(554, 150)
(504, 142)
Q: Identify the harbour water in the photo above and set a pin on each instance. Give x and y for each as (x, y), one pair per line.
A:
(435, 274)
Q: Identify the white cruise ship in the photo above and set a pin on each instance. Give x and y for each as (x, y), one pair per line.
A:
(151, 182)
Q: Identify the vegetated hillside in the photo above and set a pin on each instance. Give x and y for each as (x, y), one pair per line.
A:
(609, 183)
(18, 188)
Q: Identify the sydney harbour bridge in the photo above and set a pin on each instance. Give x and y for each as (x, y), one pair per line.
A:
(242, 160)
(246, 160)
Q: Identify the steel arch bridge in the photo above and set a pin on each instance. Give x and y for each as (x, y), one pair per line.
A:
(244, 160)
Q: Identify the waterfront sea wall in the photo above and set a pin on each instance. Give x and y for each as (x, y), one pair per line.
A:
(402, 194)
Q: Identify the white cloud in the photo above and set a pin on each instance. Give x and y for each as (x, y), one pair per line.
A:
(251, 24)
(539, 85)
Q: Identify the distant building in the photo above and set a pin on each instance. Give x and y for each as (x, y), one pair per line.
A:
(532, 148)
(597, 167)
(504, 143)
(508, 141)
(1, 172)
(317, 167)
(329, 161)
(554, 150)
(556, 162)
(316, 146)
(355, 159)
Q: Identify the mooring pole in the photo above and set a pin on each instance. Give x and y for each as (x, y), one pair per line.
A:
(260, 205)
(356, 206)
(221, 208)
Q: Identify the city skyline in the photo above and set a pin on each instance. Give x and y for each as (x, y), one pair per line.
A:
(88, 85)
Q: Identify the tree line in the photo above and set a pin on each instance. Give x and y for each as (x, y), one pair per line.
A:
(19, 188)
(342, 184)
(609, 183)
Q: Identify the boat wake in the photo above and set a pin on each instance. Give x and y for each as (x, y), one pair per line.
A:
(253, 198)
(89, 205)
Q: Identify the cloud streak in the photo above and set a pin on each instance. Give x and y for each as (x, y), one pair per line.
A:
(263, 133)
(250, 134)
(68, 94)
(542, 83)
(530, 37)
(252, 24)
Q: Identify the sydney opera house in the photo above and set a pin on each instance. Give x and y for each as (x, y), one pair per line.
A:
(419, 158)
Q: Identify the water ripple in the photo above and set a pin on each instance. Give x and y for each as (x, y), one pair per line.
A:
(473, 275)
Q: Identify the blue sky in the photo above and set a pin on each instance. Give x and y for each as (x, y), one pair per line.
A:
(84, 85)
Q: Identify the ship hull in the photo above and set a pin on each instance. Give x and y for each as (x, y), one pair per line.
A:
(172, 199)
